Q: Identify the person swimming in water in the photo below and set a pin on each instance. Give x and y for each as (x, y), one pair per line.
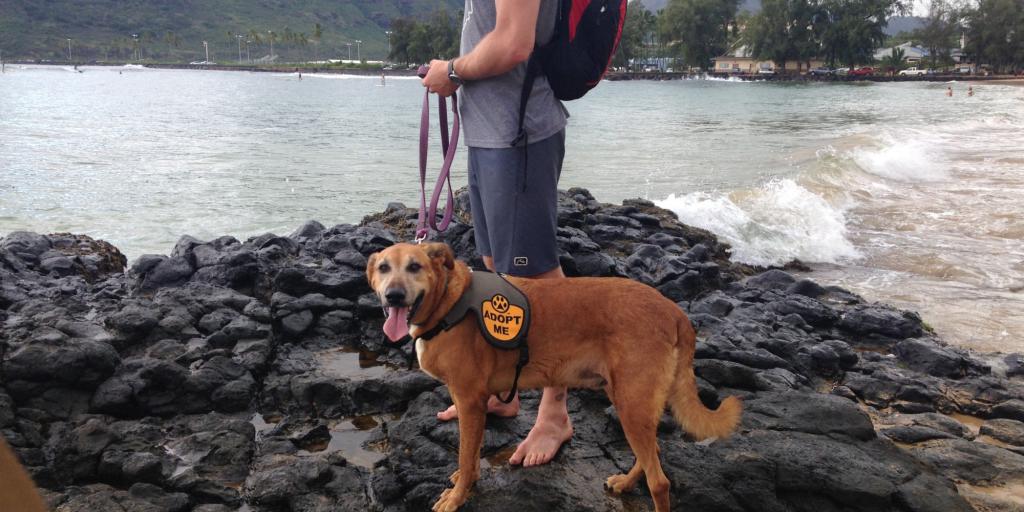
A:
(949, 91)
(970, 90)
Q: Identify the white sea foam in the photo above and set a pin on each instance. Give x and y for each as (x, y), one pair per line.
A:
(712, 78)
(772, 225)
(906, 160)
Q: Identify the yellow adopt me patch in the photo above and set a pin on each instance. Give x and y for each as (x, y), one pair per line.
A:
(502, 319)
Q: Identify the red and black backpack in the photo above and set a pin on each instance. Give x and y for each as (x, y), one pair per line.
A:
(586, 36)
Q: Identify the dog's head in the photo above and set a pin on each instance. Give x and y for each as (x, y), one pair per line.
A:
(409, 280)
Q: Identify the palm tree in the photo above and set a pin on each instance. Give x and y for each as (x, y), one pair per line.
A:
(171, 39)
(894, 61)
(272, 36)
(317, 34)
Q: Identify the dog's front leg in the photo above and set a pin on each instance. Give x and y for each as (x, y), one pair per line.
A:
(472, 416)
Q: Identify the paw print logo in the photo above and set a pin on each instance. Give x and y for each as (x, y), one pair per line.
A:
(500, 303)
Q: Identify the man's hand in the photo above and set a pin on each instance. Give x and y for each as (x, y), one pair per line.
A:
(437, 79)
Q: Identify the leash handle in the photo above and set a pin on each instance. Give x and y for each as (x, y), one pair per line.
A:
(428, 216)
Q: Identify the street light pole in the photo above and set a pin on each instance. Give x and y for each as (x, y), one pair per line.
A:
(239, 37)
(248, 57)
(349, 50)
(271, 33)
(359, 56)
(388, 32)
(207, 48)
(135, 37)
(69, 49)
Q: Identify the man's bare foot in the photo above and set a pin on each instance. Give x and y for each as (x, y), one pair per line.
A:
(552, 429)
(494, 406)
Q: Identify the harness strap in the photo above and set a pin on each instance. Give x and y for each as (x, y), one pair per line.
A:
(428, 216)
(524, 359)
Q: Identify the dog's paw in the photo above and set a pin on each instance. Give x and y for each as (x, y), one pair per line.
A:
(619, 484)
(450, 501)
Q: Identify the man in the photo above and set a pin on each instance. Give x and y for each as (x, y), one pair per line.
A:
(513, 190)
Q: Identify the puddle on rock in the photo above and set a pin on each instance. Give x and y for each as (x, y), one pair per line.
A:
(348, 363)
(349, 436)
(1011, 493)
(973, 423)
(187, 460)
(498, 458)
(263, 423)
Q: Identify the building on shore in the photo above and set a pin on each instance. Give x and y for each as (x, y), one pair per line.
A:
(739, 60)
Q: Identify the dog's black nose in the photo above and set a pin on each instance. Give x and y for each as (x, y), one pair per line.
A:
(395, 297)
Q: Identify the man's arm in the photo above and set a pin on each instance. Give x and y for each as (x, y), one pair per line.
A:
(505, 47)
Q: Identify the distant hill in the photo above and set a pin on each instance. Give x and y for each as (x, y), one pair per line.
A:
(899, 24)
(176, 29)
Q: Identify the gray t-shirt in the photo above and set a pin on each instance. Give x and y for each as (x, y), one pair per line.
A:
(490, 107)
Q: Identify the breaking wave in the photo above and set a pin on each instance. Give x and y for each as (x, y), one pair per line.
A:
(772, 225)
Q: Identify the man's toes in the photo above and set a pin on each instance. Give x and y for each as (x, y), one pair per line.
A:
(455, 477)
(517, 457)
(448, 414)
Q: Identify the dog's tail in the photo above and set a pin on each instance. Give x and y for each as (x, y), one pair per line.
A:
(689, 411)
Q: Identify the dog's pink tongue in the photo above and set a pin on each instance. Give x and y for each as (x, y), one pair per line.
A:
(397, 324)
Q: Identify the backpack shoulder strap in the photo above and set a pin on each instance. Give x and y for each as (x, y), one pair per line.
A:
(532, 69)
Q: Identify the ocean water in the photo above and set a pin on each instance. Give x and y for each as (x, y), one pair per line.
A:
(892, 190)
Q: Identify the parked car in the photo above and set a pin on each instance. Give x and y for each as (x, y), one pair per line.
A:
(823, 71)
(864, 71)
(766, 71)
(842, 71)
(914, 71)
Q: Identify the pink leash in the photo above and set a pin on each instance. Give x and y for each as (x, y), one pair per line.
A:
(428, 217)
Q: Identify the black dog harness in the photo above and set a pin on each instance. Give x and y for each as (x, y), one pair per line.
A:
(502, 314)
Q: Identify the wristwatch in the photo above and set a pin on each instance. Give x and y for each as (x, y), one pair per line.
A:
(452, 75)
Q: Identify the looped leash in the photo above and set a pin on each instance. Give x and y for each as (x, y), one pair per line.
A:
(428, 216)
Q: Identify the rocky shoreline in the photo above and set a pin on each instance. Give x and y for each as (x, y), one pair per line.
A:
(251, 376)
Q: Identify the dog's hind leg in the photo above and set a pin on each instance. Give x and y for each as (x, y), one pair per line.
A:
(472, 408)
(639, 402)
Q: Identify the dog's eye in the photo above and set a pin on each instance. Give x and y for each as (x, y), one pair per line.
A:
(384, 268)
(414, 267)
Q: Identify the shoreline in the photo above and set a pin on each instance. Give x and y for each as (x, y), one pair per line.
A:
(610, 76)
(620, 76)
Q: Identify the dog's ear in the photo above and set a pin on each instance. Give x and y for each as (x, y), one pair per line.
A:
(441, 253)
(371, 266)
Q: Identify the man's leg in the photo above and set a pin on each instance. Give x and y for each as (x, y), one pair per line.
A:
(515, 213)
(553, 427)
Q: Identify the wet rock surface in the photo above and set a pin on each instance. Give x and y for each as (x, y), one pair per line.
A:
(251, 375)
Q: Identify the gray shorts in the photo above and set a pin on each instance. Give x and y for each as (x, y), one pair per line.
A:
(514, 198)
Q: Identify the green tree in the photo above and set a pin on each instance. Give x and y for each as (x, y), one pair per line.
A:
(995, 34)
(420, 50)
(401, 36)
(318, 33)
(172, 40)
(639, 24)
(698, 30)
(784, 30)
(851, 31)
(939, 33)
(444, 31)
(894, 61)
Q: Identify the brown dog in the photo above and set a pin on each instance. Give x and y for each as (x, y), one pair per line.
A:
(613, 333)
(16, 489)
